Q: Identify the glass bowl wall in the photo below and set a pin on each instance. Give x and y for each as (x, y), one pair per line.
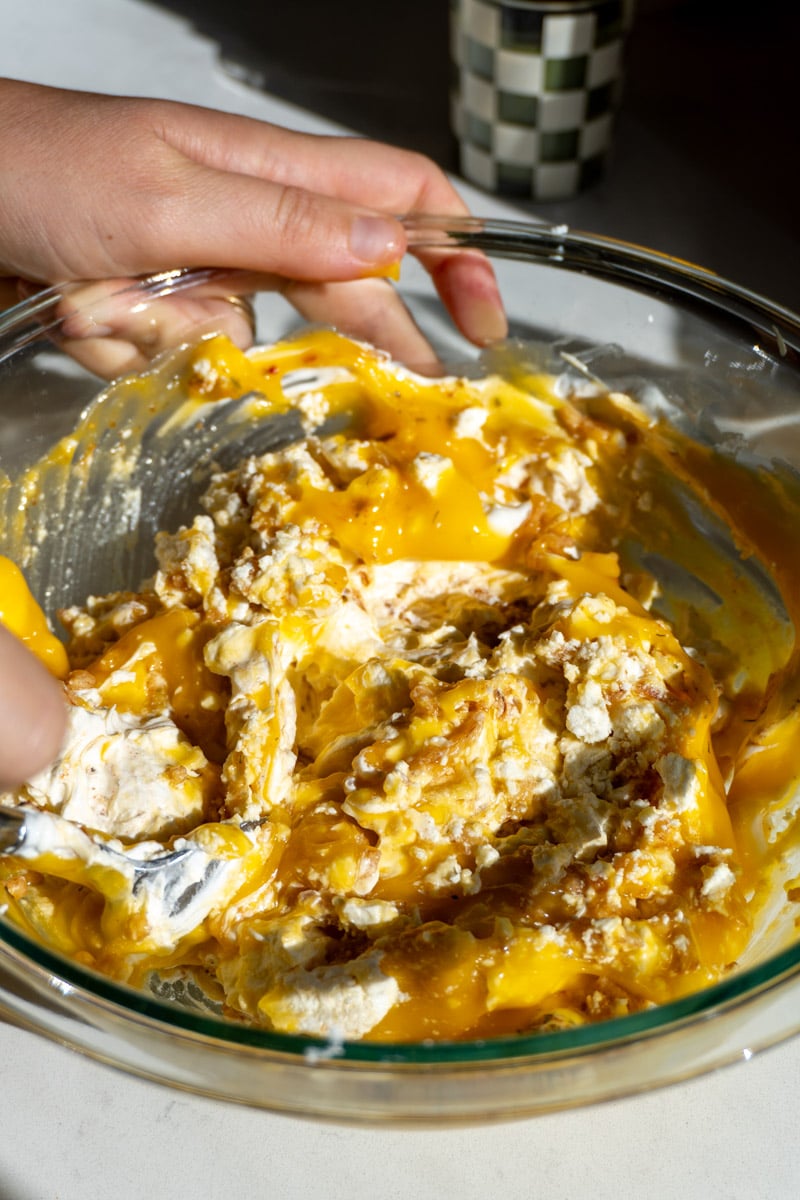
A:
(725, 365)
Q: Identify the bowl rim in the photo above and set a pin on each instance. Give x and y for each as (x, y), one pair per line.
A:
(554, 245)
(44, 966)
(610, 259)
(617, 261)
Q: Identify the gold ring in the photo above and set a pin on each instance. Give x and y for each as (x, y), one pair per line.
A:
(244, 305)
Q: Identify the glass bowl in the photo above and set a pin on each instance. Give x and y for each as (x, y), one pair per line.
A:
(723, 363)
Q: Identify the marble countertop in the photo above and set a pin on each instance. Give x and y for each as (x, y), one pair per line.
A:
(76, 1129)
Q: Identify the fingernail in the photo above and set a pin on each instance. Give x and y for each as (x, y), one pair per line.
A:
(484, 319)
(376, 239)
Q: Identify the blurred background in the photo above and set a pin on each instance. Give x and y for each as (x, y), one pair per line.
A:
(704, 162)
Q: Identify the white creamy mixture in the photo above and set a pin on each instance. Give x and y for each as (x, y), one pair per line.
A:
(456, 780)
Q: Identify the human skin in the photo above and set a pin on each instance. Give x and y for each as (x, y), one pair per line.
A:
(96, 187)
(103, 187)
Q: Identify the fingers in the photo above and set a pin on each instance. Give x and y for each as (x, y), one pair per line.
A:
(468, 289)
(238, 221)
(109, 334)
(215, 218)
(367, 309)
(32, 713)
(165, 185)
(359, 172)
(104, 186)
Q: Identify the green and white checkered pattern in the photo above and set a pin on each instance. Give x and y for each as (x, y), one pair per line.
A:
(535, 91)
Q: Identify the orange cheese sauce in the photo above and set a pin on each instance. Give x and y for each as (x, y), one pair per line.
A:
(158, 664)
(20, 613)
(497, 791)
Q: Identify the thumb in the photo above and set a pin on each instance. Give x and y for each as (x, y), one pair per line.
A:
(222, 219)
(32, 712)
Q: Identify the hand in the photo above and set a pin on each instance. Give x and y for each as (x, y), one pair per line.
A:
(104, 187)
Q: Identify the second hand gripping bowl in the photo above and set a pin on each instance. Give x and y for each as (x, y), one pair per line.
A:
(433, 726)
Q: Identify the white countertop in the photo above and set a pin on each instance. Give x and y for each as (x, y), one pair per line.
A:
(75, 1130)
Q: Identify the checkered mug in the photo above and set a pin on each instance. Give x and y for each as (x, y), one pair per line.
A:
(536, 86)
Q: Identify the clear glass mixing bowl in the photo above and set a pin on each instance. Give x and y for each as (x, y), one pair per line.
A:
(725, 364)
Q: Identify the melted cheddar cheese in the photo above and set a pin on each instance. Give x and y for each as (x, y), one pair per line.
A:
(20, 613)
(400, 676)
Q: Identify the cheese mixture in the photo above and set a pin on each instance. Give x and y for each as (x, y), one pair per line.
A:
(438, 769)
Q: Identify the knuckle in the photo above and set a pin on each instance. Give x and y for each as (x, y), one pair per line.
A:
(296, 214)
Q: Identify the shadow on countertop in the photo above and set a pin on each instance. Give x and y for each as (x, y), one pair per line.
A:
(704, 163)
